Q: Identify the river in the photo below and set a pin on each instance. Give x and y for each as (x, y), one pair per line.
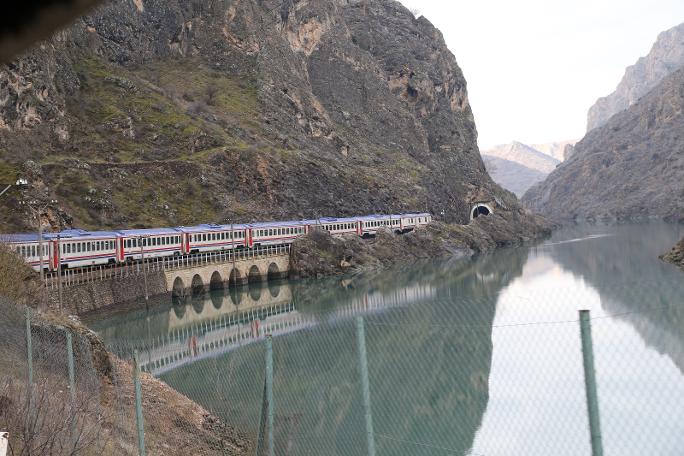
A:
(470, 357)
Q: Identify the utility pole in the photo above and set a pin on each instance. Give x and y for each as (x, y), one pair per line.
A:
(59, 270)
(37, 210)
(142, 262)
(232, 242)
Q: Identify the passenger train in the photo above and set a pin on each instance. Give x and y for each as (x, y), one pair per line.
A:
(78, 248)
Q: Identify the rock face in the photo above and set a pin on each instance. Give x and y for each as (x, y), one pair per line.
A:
(666, 56)
(517, 166)
(149, 113)
(630, 168)
(676, 255)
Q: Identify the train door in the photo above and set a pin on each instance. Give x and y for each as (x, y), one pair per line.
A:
(359, 228)
(249, 241)
(185, 243)
(54, 255)
(120, 253)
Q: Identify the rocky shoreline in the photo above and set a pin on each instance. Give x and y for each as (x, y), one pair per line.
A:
(676, 255)
(321, 254)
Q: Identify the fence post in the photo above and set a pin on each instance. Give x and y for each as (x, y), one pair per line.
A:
(29, 362)
(70, 361)
(138, 404)
(269, 393)
(590, 383)
(365, 385)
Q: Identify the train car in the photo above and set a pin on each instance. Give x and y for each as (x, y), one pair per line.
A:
(213, 238)
(152, 243)
(410, 221)
(78, 248)
(276, 233)
(341, 226)
(27, 246)
(371, 224)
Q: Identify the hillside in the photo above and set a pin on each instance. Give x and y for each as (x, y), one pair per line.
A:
(665, 57)
(153, 113)
(630, 168)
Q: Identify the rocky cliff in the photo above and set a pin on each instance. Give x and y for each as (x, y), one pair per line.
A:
(665, 57)
(630, 168)
(151, 112)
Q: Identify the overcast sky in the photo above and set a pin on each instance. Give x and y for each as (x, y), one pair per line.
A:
(534, 67)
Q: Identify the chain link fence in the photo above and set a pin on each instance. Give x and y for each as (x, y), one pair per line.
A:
(437, 366)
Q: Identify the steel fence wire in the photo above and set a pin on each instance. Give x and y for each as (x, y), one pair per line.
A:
(50, 398)
(451, 366)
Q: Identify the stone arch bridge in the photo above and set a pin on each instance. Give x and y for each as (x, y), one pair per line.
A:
(201, 278)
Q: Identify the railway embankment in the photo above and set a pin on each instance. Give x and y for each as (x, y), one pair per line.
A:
(98, 294)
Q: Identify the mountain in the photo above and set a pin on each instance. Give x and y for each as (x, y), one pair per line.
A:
(556, 149)
(149, 113)
(665, 57)
(525, 155)
(517, 166)
(630, 168)
(511, 175)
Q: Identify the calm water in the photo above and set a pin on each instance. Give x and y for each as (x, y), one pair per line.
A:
(465, 358)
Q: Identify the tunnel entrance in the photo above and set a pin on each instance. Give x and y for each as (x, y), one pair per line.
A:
(480, 209)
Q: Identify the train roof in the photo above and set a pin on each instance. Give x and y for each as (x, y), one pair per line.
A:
(285, 223)
(81, 234)
(20, 237)
(211, 227)
(149, 231)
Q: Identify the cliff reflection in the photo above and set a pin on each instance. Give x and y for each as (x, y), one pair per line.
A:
(428, 333)
(634, 284)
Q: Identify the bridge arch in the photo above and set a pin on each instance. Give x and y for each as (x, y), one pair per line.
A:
(216, 281)
(235, 278)
(273, 272)
(254, 274)
(480, 209)
(197, 285)
(178, 288)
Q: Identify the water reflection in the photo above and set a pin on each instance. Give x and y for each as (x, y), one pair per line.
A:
(428, 331)
(466, 358)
